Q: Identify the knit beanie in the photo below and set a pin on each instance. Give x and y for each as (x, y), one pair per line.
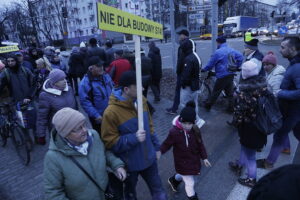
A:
(188, 113)
(252, 44)
(221, 39)
(249, 69)
(95, 60)
(127, 78)
(270, 58)
(66, 120)
(56, 75)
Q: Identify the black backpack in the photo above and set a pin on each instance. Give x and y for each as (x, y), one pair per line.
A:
(232, 64)
(268, 118)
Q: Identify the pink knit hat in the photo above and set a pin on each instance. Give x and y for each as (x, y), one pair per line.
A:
(249, 69)
(270, 58)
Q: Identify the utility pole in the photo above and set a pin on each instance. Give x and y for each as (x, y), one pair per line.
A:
(214, 24)
(65, 24)
(172, 24)
(32, 15)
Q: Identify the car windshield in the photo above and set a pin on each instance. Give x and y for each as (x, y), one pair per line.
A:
(229, 26)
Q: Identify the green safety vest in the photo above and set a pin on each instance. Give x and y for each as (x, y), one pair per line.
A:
(248, 36)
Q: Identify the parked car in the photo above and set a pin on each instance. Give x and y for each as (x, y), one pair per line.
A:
(263, 31)
(254, 32)
(273, 31)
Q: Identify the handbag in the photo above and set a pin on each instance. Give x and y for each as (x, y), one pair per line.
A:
(109, 195)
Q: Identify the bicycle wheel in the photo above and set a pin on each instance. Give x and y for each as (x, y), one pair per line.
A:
(3, 136)
(204, 94)
(22, 143)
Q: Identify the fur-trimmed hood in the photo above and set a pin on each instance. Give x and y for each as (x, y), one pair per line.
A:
(253, 83)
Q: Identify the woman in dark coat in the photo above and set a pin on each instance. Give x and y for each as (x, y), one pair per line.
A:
(77, 67)
(251, 87)
(56, 95)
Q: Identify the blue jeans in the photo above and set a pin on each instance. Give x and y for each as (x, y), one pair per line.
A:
(291, 122)
(177, 94)
(151, 177)
(248, 160)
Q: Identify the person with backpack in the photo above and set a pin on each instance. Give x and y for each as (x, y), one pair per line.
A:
(220, 62)
(252, 87)
(19, 80)
(188, 150)
(55, 95)
(94, 91)
(275, 74)
(289, 101)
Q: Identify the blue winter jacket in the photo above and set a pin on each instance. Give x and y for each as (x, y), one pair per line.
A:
(290, 86)
(94, 94)
(118, 132)
(219, 60)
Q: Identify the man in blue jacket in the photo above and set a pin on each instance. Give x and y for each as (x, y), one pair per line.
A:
(139, 149)
(289, 101)
(219, 61)
(94, 91)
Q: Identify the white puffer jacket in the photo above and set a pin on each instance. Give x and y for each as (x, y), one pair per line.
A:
(274, 79)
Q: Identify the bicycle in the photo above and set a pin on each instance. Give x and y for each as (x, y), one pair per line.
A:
(13, 127)
(205, 87)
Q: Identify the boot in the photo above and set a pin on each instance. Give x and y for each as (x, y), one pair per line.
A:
(233, 166)
(195, 197)
(249, 182)
(174, 183)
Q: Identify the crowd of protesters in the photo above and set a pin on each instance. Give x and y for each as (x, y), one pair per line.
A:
(107, 158)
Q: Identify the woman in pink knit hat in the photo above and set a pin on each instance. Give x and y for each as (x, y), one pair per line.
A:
(274, 76)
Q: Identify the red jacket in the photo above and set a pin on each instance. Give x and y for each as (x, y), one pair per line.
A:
(187, 150)
(117, 68)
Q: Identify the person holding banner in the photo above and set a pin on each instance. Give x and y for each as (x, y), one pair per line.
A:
(139, 149)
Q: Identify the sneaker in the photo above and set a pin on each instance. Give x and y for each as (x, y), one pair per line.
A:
(174, 183)
(170, 111)
(264, 164)
(234, 167)
(195, 197)
(249, 182)
(286, 151)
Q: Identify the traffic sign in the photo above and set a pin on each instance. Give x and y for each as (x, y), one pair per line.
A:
(199, 8)
(113, 19)
(195, 16)
(182, 8)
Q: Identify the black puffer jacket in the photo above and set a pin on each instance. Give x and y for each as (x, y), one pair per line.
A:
(146, 70)
(245, 110)
(77, 64)
(191, 66)
(154, 55)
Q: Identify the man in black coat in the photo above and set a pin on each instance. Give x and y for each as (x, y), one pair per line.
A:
(154, 55)
(183, 36)
(94, 50)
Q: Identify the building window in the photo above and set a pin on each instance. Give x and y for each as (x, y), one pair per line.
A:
(87, 32)
(83, 9)
(85, 21)
(126, 5)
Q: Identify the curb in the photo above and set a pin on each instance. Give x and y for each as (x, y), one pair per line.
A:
(267, 44)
